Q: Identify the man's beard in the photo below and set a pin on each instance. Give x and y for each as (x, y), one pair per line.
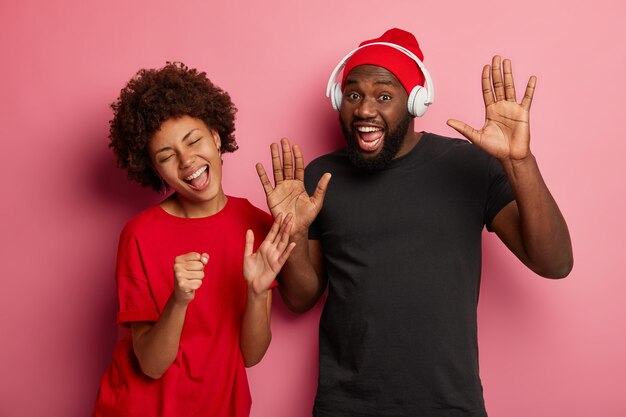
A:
(393, 142)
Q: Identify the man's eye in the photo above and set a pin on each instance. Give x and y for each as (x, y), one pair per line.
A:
(385, 97)
(353, 96)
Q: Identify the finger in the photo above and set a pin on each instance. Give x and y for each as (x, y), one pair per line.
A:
(249, 243)
(320, 190)
(191, 285)
(486, 84)
(182, 280)
(297, 154)
(283, 236)
(192, 276)
(285, 254)
(496, 77)
(194, 284)
(287, 159)
(274, 230)
(529, 93)
(464, 129)
(194, 266)
(181, 260)
(265, 181)
(509, 85)
(276, 165)
(190, 256)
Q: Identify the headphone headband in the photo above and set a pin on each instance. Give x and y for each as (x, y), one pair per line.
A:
(333, 88)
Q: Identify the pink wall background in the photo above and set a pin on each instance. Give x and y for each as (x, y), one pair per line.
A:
(548, 348)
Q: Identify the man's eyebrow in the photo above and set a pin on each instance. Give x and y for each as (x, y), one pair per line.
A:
(384, 82)
(165, 148)
(389, 82)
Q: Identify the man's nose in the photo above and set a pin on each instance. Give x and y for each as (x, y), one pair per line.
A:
(366, 109)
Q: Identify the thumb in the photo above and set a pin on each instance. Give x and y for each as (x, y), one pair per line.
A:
(249, 243)
(320, 190)
(204, 258)
(464, 129)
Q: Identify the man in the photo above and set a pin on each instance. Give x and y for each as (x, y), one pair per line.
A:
(398, 239)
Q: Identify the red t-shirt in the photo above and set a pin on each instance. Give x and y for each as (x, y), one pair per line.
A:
(208, 376)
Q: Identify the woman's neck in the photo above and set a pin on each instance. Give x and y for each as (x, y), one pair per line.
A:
(180, 207)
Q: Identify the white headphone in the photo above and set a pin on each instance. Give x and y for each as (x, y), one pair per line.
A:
(419, 98)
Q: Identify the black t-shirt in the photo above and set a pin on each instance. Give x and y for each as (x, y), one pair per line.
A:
(402, 252)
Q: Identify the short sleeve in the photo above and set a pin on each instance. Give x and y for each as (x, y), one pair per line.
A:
(136, 302)
(499, 192)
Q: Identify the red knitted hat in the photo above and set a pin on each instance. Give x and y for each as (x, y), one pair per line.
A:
(397, 62)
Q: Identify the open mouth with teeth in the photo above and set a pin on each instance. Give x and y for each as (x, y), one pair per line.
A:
(370, 138)
(199, 180)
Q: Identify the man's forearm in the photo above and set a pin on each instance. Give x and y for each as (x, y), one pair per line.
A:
(301, 279)
(543, 229)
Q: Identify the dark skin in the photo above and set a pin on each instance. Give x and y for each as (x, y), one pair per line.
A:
(373, 108)
(531, 226)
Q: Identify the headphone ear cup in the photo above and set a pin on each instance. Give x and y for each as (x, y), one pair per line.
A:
(336, 96)
(417, 101)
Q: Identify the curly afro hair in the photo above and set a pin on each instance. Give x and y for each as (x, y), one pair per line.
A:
(153, 96)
